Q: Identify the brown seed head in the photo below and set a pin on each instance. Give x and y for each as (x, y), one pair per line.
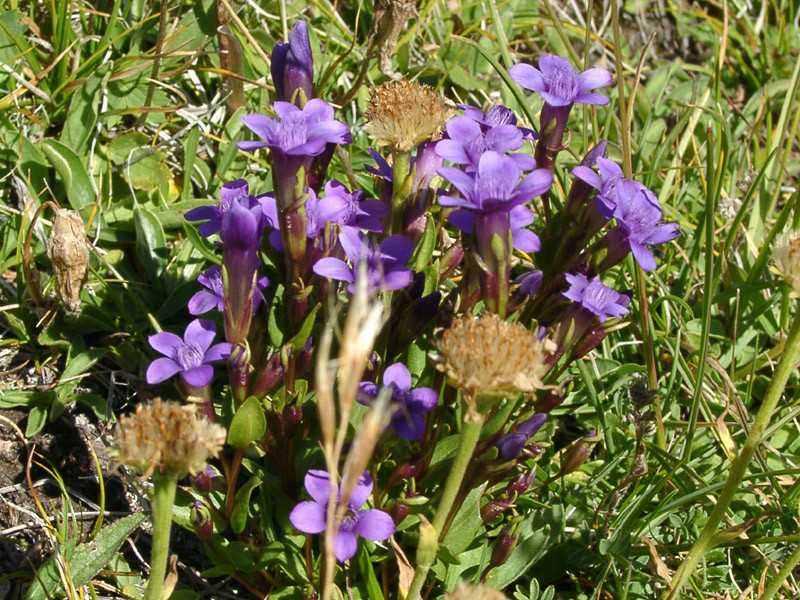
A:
(167, 438)
(465, 591)
(786, 256)
(402, 114)
(70, 256)
(488, 356)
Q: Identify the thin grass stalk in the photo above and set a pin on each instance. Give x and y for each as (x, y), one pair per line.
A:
(707, 538)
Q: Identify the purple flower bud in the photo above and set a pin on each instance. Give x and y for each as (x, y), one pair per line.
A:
(520, 484)
(511, 444)
(269, 377)
(293, 66)
(503, 547)
(399, 511)
(207, 479)
(493, 509)
(548, 400)
(578, 453)
(201, 520)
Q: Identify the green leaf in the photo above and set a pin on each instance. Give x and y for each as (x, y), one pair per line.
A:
(465, 527)
(300, 339)
(242, 504)
(37, 419)
(151, 245)
(82, 112)
(78, 185)
(426, 246)
(147, 173)
(83, 362)
(190, 152)
(248, 424)
(84, 562)
(374, 591)
(11, 399)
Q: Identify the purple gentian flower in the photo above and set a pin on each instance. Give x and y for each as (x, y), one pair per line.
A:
(495, 186)
(638, 215)
(386, 264)
(467, 141)
(296, 132)
(605, 183)
(497, 115)
(596, 297)
(213, 297)
(231, 191)
(511, 444)
(409, 404)
(292, 65)
(371, 524)
(188, 356)
(519, 218)
(529, 283)
(559, 83)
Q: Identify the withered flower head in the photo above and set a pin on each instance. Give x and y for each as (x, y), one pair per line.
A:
(402, 114)
(465, 591)
(786, 256)
(488, 356)
(69, 253)
(167, 438)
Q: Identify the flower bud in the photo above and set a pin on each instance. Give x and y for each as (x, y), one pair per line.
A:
(493, 509)
(548, 400)
(579, 452)
(269, 377)
(293, 67)
(292, 417)
(504, 546)
(520, 484)
(202, 524)
(428, 543)
(399, 511)
(208, 479)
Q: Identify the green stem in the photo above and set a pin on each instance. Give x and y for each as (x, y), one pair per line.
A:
(706, 540)
(162, 500)
(400, 168)
(785, 571)
(470, 432)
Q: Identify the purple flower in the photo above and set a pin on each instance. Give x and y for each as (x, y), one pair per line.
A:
(605, 183)
(467, 141)
(519, 218)
(497, 115)
(231, 191)
(384, 169)
(371, 524)
(409, 404)
(638, 215)
(208, 299)
(188, 356)
(529, 283)
(596, 297)
(495, 186)
(292, 65)
(386, 264)
(559, 83)
(296, 132)
(511, 444)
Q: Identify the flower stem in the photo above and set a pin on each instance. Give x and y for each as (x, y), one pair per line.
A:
(785, 571)
(707, 538)
(400, 168)
(470, 433)
(162, 500)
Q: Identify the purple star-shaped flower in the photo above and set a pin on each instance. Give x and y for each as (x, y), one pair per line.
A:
(596, 297)
(559, 83)
(605, 183)
(519, 218)
(386, 264)
(511, 444)
(296, 132)
(409, 404)
(213, 297)
(495, 186)
(310, 516)
(188, 356)
(467, 141)
(497, 115)
(231, 191)
(638, 215)
(339, 206)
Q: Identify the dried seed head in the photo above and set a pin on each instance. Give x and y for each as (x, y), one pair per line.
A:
(464, 591)
(488, 356)
(402, 114)
(69, 253)
(167, 438)
(786, 256)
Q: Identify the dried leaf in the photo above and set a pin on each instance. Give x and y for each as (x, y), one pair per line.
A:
(661, 568)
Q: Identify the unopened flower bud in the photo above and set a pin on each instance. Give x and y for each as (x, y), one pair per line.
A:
(547, 400)
(292, 417)
(493, 509)
(521, 483)
(373, 367)
(503, 547)
(428, 543)
(293, 67)
(269, 377)
(207, 479)
(399, 511)
(578, 454)
(202, 524)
